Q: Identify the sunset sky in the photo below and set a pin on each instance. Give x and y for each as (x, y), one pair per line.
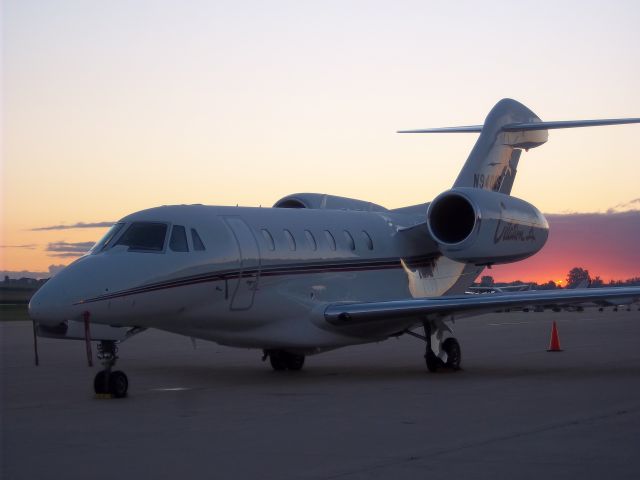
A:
(112, 107)
(605, 244)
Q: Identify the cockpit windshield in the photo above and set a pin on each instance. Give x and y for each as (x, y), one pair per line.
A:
(144, 236)
(108, 237)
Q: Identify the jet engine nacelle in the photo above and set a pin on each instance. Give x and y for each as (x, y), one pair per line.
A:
(485, 227)
(329, 202)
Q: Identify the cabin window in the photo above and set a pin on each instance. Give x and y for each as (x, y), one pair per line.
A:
(330, 239)
(367, 240)
(198, 245)
(269, 239)
(178, 240)
(108, 237)
(311, 240)
(144, 237)
(350, 242)
(290, 239)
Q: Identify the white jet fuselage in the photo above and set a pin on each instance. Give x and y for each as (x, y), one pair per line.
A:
(264, 277)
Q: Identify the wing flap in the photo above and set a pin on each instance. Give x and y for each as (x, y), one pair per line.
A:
(401, 310)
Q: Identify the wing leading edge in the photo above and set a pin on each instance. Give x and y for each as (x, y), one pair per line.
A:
(420, 308)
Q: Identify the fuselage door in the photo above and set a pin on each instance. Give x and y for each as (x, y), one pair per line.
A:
(243, 288)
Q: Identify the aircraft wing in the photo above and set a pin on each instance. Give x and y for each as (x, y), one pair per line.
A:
(420, 308)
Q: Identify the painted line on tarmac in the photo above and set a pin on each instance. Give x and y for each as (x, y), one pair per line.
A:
(170, 389)
(507, 323)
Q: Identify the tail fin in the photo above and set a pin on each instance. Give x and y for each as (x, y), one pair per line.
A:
(509, 128)
(494, 159)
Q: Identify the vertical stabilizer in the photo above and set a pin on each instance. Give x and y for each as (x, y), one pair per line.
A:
(494, 159)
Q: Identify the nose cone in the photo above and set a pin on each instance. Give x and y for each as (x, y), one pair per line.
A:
(51, 303)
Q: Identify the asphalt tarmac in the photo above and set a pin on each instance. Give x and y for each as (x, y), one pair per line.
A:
(373, 411)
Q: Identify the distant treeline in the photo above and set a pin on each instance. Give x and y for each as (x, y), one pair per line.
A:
(576, 278)
(18, 290)
(551, 285)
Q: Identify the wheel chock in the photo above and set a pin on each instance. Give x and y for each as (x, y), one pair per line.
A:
(104, 396)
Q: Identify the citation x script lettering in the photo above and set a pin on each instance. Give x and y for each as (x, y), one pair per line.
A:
(317, 272)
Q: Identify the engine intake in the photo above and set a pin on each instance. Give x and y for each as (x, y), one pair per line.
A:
(485, 227)
(452, 206)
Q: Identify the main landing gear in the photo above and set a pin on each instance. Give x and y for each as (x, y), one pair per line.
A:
(283, 360)
(107, 382)
(451, 348)
(442, 349)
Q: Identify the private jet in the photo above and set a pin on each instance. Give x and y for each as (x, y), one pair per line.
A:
(317, 272)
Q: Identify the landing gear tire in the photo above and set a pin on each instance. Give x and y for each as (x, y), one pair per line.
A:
(277, 360)
(454, 353)
(295, 362)
(118, 384)
(454, 356)
(433, 362)
(281, 360)
(100, 383)
(111, 383)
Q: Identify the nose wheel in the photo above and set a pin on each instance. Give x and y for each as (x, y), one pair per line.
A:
(108, 382)
(111, 383)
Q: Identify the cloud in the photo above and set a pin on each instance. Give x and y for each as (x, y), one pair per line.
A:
(68, 249)
(633, 205)
(29, 246)
(630, 206)
(74, 226)
(53, 269)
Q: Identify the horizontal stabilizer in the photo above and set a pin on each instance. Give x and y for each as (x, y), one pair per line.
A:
(467, 129)
(520, 127)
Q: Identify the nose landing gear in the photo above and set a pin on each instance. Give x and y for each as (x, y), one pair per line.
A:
(107, 382)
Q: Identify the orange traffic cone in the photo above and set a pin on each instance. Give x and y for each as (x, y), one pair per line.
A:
(554, 344)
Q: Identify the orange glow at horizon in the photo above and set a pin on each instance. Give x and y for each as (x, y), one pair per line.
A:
(545, 271)
(603, 244)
